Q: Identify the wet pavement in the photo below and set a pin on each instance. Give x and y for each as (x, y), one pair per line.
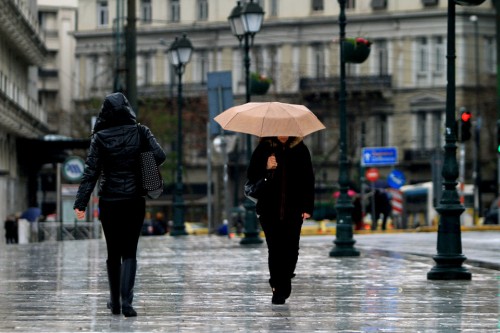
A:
(213, 284)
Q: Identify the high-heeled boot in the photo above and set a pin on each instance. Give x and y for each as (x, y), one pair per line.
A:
(114, 272)
(129, 267)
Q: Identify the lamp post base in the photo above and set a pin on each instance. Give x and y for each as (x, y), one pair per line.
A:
(449, 268)
(178, 232)
(251, 231)
(344, 243)
(344, 249)
(251, 238)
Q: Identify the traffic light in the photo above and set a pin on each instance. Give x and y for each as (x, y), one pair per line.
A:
(465, 126)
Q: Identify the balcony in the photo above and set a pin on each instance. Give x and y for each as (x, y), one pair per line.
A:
(354, 84)
(420, 156)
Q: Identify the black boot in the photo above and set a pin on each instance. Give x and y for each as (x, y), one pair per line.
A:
(114, 272)
(129, 267)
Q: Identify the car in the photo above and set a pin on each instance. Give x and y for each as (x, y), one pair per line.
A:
(491, 216)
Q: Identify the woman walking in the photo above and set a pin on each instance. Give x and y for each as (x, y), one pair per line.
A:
(282, 167)
(114, 158)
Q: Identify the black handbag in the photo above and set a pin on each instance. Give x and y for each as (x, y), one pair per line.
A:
(152, 182)
(253, 190)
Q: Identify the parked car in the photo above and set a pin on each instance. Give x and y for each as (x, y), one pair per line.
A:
(491, 216)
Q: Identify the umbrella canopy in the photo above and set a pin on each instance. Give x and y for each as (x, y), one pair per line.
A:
(31, 214)
(270, 119)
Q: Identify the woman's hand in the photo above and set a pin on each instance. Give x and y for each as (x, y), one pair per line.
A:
(80, 214)
(271, 163)
(305, 216)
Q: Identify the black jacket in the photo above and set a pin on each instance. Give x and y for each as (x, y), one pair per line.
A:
(288, 191)
(114, 153)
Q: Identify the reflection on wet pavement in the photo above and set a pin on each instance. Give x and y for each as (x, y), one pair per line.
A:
(213, 284)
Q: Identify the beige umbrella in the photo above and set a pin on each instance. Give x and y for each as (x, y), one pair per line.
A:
(270, 119)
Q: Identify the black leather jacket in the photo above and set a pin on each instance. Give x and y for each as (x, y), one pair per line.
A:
(114, 154)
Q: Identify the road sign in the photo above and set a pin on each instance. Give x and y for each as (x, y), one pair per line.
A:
(372, 174)
(72, 168)
(396, 179)
(379, 156)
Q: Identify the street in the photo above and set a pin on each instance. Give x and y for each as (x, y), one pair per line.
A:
(213, 284)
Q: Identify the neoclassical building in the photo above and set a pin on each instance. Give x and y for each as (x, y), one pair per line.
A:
(22, 49)
(396, 97)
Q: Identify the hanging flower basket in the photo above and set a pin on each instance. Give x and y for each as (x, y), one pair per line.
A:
(356, 50)
(259, 84)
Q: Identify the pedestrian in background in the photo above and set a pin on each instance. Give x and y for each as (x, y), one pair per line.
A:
(283, 168)
(10, 225)
(383, 208)
(114, 157)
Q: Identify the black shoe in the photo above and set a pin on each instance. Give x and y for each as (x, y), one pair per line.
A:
(114, 309)
(278, 298)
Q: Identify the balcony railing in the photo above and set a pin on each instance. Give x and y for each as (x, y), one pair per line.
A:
(362, 83)
(419, 155)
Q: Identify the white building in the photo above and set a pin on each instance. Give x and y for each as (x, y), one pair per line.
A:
(397, 96)
(22, 48)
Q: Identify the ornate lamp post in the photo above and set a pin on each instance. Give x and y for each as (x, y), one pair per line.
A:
(344, 242)
(245, 22)
(449, 257)
(179, 53)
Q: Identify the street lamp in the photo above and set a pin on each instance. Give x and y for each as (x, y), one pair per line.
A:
(344, 242)
(179, 54)
(245, 22)
(449, 257)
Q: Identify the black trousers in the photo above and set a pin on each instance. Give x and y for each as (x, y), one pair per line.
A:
(282, 238)
(122, 222)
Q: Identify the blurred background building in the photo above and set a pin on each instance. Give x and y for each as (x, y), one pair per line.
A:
(395, 98)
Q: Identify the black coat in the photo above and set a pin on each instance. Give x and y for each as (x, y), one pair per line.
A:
(114, 153)
(288, 191)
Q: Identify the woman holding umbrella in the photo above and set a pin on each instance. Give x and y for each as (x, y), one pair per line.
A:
(282, 166)
(281, 171)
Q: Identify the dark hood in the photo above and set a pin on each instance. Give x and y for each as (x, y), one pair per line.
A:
(115, 111)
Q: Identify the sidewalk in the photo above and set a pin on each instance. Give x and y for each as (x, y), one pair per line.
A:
(213, 284)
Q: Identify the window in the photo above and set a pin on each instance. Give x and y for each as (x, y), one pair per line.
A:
(175, 11)
(317, 5)
(437, 129)
(490, 55)
(146, 11)
(379, 4)
(102, 13)
(147, 69)
(429, 129)
(202, 10)
(421, 134)
(422, 55)
(439, 55)
(382, 57)
(319, 61)
(274, 8)
(203, 56)
(350, 4)
(381, 138)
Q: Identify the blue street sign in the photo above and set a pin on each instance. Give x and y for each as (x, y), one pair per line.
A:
(220, 97)
(378, 156)
(396, 179)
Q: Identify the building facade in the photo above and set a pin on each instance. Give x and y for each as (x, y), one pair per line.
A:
(395, 98)
(22, 49)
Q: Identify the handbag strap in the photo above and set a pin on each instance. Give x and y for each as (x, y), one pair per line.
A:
(142, 139)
